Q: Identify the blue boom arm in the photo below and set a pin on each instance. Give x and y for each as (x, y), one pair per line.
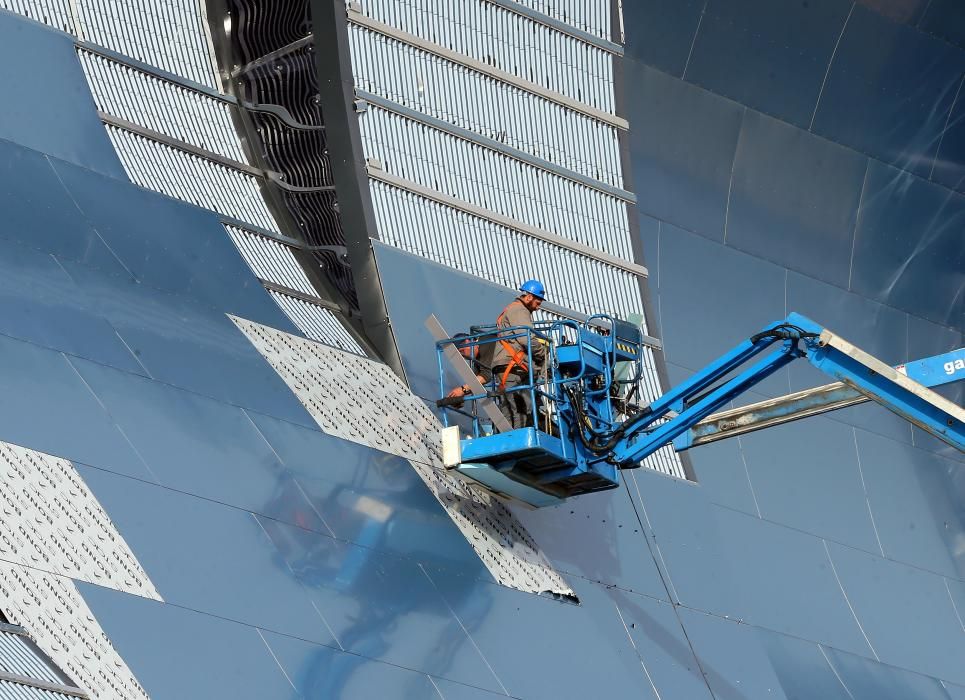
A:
(688, 404)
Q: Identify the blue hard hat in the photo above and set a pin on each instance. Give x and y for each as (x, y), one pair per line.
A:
(534, 287)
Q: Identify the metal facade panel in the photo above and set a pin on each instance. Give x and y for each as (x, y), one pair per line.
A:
(888, 91)
(500, 254)
(489, 179)
(788, 184)
(771, 55)
(588, 73)
(444, 90)
(48, 104)
(369, 405)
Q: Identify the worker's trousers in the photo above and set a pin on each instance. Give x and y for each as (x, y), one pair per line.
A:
(517, 406)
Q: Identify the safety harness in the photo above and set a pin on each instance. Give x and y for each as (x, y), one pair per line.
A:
(517, 357)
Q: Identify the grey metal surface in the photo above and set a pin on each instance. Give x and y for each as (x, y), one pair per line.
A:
(295, 563)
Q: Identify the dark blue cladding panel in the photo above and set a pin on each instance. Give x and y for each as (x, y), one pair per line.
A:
(208, 557)
(682, 143)
(169, 245)
(580, 649)
(415, 288)
(662, 32)
(712, 297)
(200, 446)
(807, 475)
(875, 328)
(178, 653)
(722, 473)
(686, 541)
(790, 185)
(48, 106)
(906, 613)
(770, 55)
(183, 343)
(39, 213)
(889, 90)
(910, 230)
(349, 484)
(662, 645)
(39, 302)
(945, 19)
(869, 680)
(321, 672)
(802, 668)
(732, 658)
(918, 503)
(48, 407)
(382, 606)
(598, 537)
(786, 582)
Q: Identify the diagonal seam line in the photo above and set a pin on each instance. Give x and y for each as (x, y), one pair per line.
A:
(835, 672)
(639, 656)
(272, 652)
(436, 687)
(837, 578)
(938, 151)
(301, 584)
(665, 578)
(954, 606)
(463, 627)
(864, 488)
(857, 220)
(830, 63)
(693, 42)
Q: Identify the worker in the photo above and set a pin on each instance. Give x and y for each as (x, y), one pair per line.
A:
(470, 352)
(511, 355)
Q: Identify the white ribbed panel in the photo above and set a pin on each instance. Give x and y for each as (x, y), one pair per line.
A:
(162, 106)
(271, 260)
(190, 178)
(473, 101)
(508, 41)
(53, 13)
(499, 254)
(317, 323)
(592, 16)
(19, 657)
(493, 181)
(171, 35)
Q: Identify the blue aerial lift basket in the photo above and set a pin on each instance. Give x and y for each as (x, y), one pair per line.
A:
(588, 422)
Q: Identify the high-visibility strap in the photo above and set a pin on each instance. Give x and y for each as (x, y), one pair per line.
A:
(517, 357)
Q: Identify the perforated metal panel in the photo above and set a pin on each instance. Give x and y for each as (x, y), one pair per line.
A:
(65, 628)
(54, 530)
(362, 401)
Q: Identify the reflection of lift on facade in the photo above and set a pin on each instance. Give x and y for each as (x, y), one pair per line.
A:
(588, 423)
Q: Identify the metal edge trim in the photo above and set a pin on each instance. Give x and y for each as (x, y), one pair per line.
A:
(557, 25)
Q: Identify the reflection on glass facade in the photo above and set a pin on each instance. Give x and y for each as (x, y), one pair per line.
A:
(175, 523)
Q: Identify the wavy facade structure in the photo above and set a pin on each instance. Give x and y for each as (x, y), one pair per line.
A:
(224, 224)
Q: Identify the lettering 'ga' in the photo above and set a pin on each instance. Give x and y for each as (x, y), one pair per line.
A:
(952, 367)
